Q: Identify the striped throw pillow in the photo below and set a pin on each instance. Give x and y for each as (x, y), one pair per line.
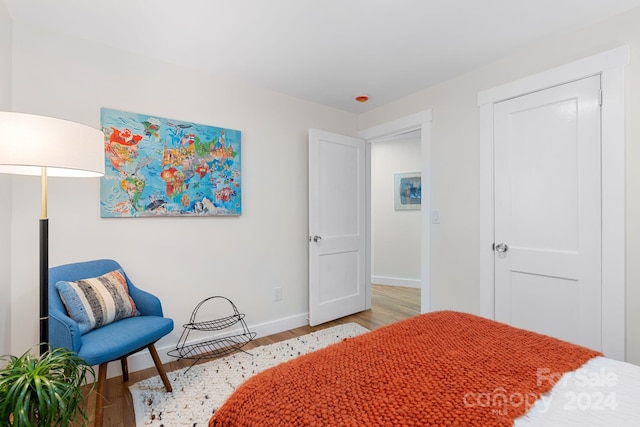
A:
(97, 301)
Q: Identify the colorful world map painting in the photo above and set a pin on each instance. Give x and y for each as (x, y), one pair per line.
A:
(162, 167)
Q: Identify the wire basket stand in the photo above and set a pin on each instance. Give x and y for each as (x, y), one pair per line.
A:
(216, 346)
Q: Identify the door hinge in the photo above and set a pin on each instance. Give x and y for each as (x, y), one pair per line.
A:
(601, 96)
(493, 246)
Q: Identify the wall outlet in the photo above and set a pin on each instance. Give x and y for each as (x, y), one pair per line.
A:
(277, 294)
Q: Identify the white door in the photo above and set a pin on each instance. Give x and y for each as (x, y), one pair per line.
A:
(336, 226)
(548, 212)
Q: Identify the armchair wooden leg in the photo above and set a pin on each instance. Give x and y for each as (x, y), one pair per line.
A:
(125, 369)
(160, 367)
(102, 379)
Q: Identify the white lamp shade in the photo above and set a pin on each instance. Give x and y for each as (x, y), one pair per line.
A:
(29, 142)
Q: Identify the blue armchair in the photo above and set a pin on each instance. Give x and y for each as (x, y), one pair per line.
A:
(113, 341)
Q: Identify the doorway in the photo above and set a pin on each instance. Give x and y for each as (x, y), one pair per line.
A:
(417, 124)
(396, 222)
(340, 166)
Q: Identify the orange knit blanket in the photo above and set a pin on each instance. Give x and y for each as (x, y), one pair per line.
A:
(437, 369)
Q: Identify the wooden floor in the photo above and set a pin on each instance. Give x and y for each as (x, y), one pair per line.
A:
(389, 304)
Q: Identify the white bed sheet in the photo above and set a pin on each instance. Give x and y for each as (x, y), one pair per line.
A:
(602, 393)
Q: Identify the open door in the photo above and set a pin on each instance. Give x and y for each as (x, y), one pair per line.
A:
(337, 226)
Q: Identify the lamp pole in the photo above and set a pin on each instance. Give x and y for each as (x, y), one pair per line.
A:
(44, 266)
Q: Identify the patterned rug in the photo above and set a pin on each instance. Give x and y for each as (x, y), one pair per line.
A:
(199, 391)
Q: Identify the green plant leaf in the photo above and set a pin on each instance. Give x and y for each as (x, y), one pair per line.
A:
(42, 390)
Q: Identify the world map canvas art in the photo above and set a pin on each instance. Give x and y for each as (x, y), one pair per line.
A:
(162, 167)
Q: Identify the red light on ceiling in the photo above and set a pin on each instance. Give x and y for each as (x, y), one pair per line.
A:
(362, 98)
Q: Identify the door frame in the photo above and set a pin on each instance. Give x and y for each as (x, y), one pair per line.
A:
(610, 66)
(418, 121)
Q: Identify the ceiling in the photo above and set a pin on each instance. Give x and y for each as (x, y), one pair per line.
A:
(324, 51)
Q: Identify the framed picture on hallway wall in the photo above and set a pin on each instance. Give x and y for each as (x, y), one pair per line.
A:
(407, 191)
(164, 167)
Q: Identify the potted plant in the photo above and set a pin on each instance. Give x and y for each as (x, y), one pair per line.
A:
(42, 390)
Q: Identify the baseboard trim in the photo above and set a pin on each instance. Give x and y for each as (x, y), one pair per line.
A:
(396, 281)
(142, 360)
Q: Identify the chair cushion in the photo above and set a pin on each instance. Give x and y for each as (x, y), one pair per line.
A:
(122, 338)
(97, 301)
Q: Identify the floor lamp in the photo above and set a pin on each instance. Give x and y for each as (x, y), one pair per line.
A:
(45, 146)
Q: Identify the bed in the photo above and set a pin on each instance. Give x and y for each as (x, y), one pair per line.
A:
(441, 369)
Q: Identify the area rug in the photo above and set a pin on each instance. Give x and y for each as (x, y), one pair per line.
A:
(199, 391)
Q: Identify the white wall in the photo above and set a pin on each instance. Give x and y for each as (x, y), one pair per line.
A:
(5, 188)
(455, 160)
(396, 235)
(182, 260)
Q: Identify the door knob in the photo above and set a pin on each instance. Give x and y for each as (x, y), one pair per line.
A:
(502, 247)
(315, 238)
